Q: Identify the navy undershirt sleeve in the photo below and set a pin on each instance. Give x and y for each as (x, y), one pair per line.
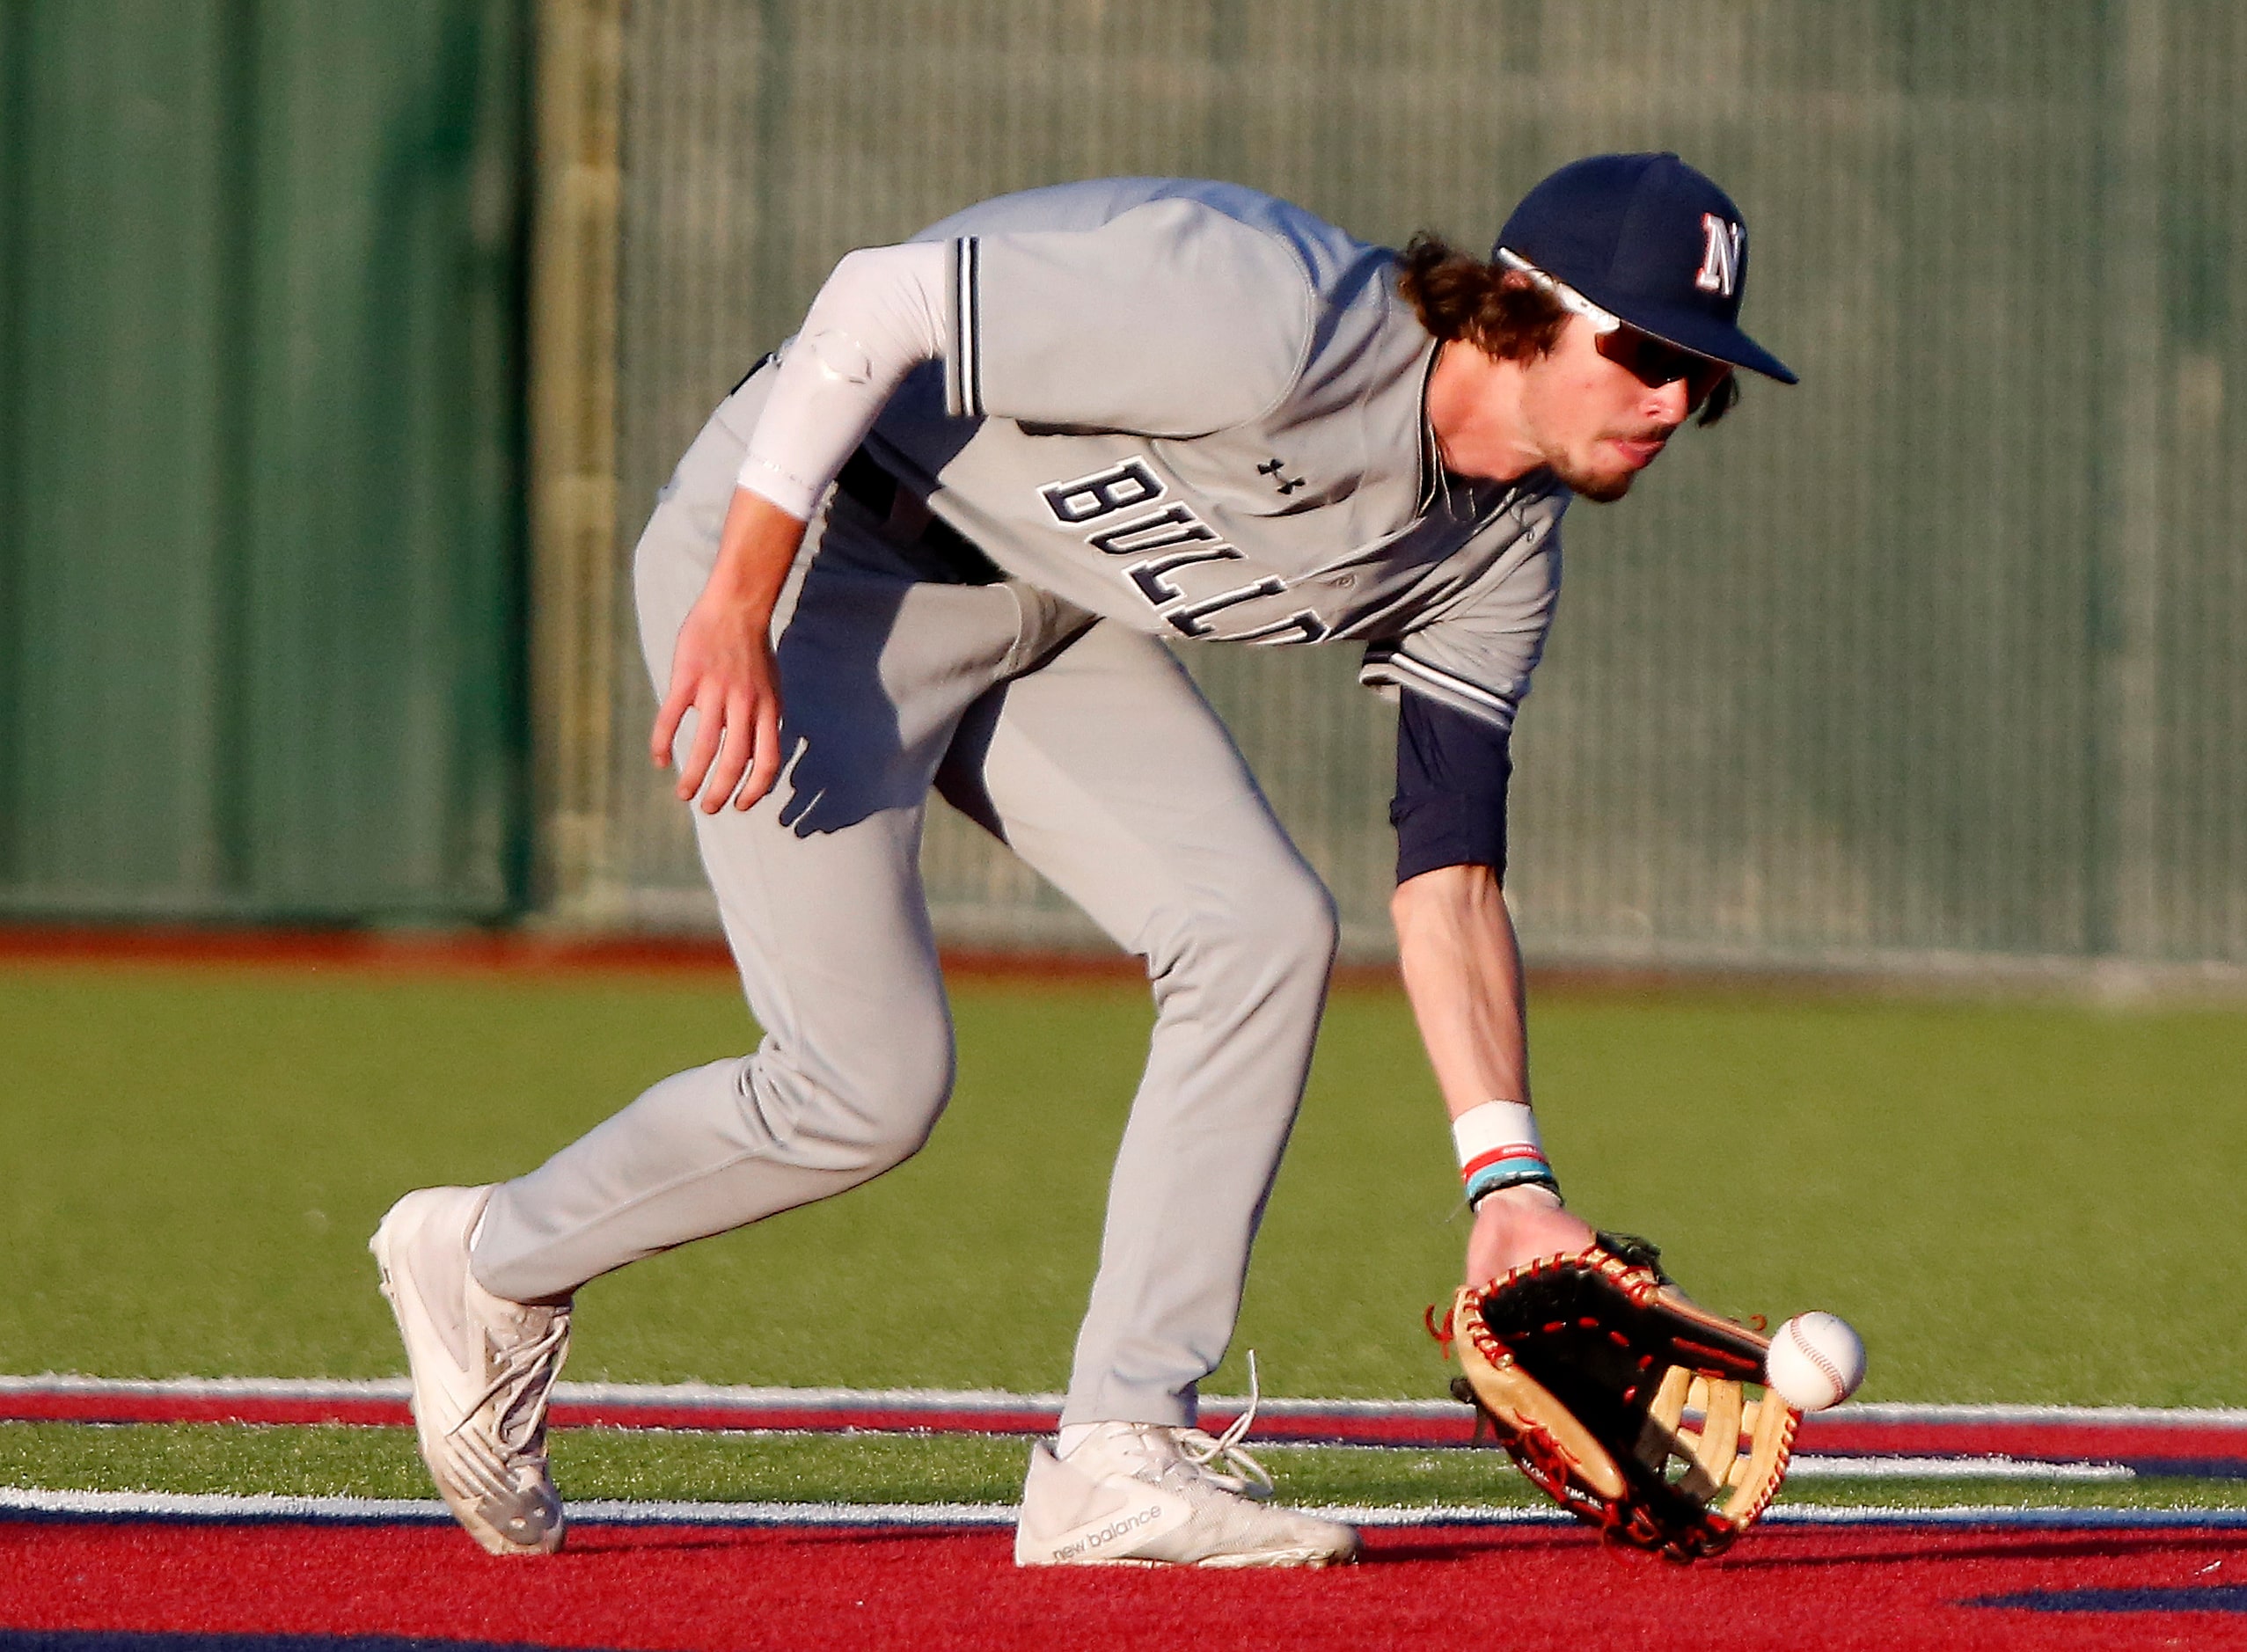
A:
(1451, 769)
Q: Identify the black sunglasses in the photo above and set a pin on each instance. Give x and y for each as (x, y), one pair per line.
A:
(1655, 363)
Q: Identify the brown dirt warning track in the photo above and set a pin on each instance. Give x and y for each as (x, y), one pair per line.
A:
(549, 953)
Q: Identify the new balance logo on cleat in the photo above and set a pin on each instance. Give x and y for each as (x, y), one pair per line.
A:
(1139, 1494)
(1139, 1521)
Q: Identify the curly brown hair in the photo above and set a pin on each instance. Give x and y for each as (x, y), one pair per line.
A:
(1505, 315)
(1456, 296)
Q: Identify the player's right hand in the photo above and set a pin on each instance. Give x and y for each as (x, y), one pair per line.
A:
(722, 668)
(722, 671)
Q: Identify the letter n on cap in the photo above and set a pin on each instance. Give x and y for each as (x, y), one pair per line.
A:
(1720, 258)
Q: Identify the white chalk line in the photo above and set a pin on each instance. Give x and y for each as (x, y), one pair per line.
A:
(20, 1502)
(1818, 1466)
(2041, 1470)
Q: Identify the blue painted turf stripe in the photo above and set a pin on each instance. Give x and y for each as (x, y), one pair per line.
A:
(2182, 1597)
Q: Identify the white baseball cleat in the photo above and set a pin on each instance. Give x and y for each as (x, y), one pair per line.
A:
(1139, 1494)
(482, 1368)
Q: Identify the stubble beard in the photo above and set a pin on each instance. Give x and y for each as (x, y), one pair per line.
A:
(1602, 487)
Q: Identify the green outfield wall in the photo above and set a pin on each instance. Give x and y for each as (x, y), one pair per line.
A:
(1940, 653)
(1938, 656)
(261, 269)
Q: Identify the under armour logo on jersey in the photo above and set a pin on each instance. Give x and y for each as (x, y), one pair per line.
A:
(1286, 484)
(1725, 241)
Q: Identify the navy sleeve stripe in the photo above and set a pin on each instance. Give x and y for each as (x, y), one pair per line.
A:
(964, 370)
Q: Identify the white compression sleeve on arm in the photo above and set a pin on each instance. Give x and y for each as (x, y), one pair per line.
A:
(880, 315)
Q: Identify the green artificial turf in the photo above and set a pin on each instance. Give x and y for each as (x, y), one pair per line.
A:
(2017, 1202)
(645, 1465)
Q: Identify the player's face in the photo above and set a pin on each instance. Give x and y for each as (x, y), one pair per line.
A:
(1598, 408)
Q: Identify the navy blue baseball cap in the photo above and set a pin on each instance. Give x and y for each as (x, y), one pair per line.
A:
(1649, 240)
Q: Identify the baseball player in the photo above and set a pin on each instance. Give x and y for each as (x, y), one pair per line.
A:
(939, 543)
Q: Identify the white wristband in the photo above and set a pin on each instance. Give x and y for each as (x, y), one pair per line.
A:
(1492, 1128)
(1498, 1147)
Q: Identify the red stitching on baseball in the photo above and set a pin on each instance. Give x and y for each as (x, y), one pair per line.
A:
(1832, 1374)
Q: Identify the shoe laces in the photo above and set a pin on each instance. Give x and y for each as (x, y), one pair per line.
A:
(1240, 1474)
(523, 1374)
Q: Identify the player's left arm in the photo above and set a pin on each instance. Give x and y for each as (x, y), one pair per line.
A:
(1460, 957)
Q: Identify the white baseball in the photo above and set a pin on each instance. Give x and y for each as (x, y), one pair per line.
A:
(1816, 1359)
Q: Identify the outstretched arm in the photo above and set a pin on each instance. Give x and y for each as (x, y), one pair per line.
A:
(1462, 971)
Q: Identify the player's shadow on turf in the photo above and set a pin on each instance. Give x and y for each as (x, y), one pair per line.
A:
(584, 1543)
(2089, 1546)
(1475, 1546)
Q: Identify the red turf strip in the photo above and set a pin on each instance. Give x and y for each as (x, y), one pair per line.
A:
(678, 1590)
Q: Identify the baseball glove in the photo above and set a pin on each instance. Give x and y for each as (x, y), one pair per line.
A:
(1623, 1399)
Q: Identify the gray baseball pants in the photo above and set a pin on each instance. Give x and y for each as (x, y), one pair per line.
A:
(1085, 749)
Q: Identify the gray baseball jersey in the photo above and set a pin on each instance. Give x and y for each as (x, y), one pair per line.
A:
(1192, 409)
(1198, 411)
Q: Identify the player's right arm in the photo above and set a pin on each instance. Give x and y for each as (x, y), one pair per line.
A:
(874, 321)
(722, 668)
